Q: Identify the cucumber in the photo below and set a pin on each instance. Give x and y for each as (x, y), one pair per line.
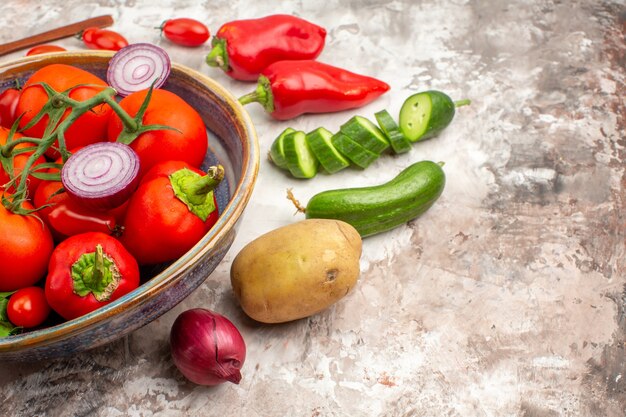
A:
(376, 209)
(300, 159)
(353, 151)
(277, 152)
(320, 142)
(424, 115)
(366, 134)
(390, 128)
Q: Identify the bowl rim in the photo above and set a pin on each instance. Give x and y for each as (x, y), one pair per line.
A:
(231, 213)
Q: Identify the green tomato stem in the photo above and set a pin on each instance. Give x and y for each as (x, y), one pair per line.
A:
(129, 122)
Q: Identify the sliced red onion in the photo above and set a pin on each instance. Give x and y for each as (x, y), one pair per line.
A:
(102, 175)
(207, 348)
(138, 66)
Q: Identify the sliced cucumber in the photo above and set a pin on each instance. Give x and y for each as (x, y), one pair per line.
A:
(366, 134)
(301, 161)
(390, 128)
(353, 151)
(320, 142)
(277, 151)
(424, 115)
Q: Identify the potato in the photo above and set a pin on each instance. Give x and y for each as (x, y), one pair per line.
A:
(296, 271)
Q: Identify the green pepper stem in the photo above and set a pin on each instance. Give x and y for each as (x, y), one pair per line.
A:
(262, 95)
(218, 57)
(461, 103)
(98, 271)
(196, 188)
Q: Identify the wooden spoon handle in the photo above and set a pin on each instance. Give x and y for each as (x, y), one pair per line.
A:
(51, 35)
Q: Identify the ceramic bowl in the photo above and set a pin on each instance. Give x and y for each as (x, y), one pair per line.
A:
(232, 142)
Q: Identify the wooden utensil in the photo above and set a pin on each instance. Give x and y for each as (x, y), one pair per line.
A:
(54, 34)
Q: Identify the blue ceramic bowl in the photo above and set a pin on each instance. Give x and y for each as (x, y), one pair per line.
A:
(232, 142)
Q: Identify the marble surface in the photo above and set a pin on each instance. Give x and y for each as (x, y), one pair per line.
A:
(507, 298)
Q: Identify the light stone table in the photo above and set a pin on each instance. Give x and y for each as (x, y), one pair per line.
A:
(507, 298)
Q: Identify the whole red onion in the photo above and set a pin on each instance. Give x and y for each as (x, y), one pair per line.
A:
(207, 348)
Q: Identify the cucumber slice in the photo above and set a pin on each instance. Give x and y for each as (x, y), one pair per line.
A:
(365, 133)
(277, 152)
(353, 151)
(390, 128)
(320, 142)
(301, 161)
(424, 115)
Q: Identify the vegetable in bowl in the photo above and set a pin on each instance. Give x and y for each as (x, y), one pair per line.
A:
(230, 141)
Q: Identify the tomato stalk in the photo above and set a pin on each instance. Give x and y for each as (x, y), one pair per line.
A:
(55, 109)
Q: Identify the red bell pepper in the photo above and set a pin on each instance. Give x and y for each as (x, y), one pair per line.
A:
(171, 210)
(244, 48)
(88, 271)
(287, 89)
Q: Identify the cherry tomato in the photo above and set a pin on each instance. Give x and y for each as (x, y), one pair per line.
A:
(158, 226)
(25, 249)
(8, 106)
(28, 307)
(187, 143)
(96, 38)
(44, 49)
(19, 161)
(185, 31)
(88, 128)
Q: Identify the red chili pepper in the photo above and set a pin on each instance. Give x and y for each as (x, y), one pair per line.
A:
(171, 210)
(88, 271)
(65, 217)
(244, 48)
(287, 89)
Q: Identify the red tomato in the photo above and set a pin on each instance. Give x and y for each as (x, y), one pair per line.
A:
(18, 164)
(96, 38)
(158, 226)
(44, 49)
(185, 31)
(25, 249)
(187, 143)
(28, 307)
(72, 287)
(88, 128)
(8, 106)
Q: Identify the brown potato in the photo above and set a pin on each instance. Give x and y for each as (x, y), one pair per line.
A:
(296, 271)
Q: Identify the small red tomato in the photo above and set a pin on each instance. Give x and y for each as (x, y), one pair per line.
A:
(28, 307)
(185, 31)
(8, 105)
(96, 38)
(44, 49)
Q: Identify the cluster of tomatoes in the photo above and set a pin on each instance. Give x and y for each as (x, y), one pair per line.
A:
(58, 253)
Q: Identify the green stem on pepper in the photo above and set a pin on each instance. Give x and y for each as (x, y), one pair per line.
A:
(196, 190)
(262, 95)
